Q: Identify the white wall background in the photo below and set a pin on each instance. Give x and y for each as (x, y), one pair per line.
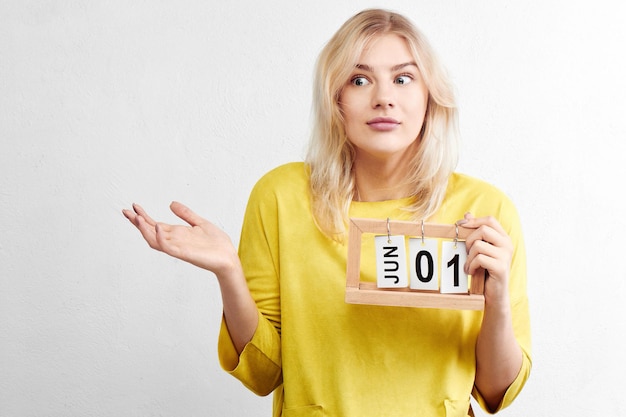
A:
(107, 103)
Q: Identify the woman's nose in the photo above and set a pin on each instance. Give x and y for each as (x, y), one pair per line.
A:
(383, 96)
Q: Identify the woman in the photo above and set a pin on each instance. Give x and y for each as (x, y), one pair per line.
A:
(383, 146)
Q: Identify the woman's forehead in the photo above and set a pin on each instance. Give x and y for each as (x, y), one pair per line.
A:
(385, 51)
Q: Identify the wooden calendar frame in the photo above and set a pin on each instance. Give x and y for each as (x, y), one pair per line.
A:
(360, 292)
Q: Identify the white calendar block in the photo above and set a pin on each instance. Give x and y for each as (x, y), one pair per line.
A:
(391, 262)
(424, 271)
(453, 257)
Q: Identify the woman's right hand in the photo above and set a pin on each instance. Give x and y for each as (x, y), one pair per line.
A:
(201, 243)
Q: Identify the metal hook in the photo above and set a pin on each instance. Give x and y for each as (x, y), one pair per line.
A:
(423, 232)
(388, 231)
(456, 230)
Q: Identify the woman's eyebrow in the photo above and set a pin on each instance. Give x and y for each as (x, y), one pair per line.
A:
(364, 67)
(367, 68)
(406, 64)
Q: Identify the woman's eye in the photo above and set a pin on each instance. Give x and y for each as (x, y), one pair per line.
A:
(359, 81)
(403, 79)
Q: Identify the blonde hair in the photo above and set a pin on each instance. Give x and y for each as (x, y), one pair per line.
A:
(331, 155)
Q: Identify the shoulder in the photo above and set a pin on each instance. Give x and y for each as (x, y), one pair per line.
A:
(284, 178)
(467, 193)
(462, 182)
(287, 173)
(280, 195)
(283, 183)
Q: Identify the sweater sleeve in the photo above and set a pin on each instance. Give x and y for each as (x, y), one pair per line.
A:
(258, 366)
(509, 219)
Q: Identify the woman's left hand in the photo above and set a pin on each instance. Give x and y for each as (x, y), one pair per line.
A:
(490, 250)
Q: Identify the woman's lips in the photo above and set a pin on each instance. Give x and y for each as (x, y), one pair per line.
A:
(383, 124)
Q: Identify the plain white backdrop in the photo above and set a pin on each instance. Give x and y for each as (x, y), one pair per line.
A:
(107, 103)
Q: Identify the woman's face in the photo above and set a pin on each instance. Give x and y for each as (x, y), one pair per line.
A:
(384, 101)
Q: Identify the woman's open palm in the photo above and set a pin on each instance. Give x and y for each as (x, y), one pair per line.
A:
(201, 243)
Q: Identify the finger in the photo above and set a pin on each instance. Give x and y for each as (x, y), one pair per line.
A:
(468, 216)
(475, 271)
(148, 231)
(484, 255)
(481, 262)
(486, 234)
(163, 228)
(140, 211)
(482, 247)
(472, 222)
(186, 214)
(478, 264)
(129, 214)
(169, 240)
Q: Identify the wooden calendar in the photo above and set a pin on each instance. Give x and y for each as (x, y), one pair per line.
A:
(428, 273)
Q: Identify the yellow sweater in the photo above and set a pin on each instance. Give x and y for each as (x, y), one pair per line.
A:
(323, 357)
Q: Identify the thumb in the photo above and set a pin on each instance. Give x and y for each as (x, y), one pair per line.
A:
(186, 213)
(466, 220)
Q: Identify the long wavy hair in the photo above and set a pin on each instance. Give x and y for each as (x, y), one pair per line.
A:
(330, 154)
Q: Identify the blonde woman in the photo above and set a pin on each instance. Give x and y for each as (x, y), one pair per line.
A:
(383, 145)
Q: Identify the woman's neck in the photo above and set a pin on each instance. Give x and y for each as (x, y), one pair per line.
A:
(378, 180)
